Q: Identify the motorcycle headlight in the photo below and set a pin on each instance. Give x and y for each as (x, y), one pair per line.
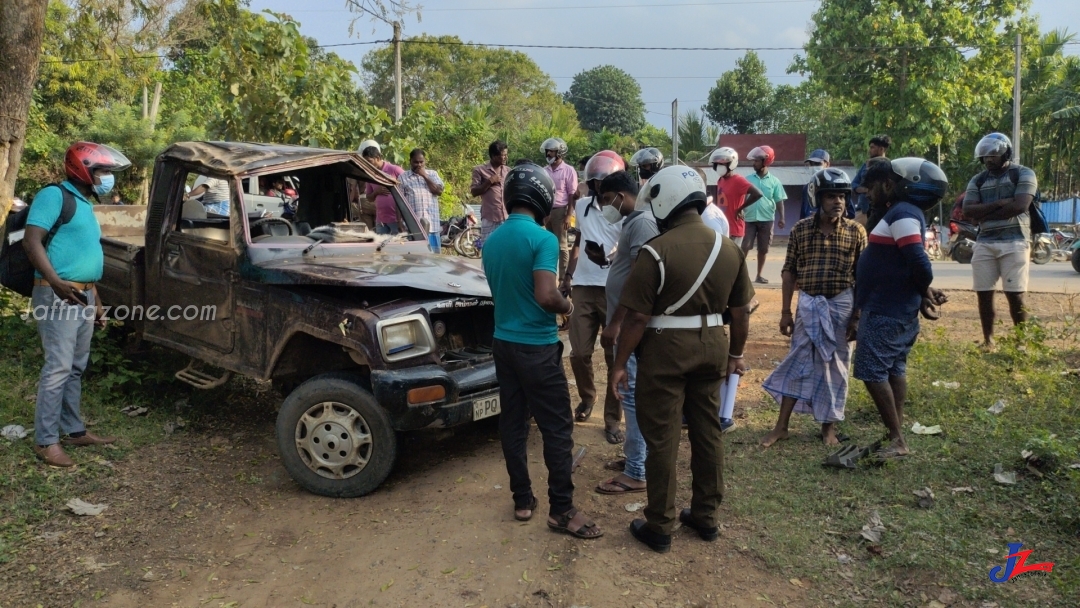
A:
(404, 337)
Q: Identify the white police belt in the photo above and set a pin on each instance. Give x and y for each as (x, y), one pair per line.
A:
(669, 321)
(685, 322)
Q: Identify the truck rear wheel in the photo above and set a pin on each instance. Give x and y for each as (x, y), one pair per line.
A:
(333, 437)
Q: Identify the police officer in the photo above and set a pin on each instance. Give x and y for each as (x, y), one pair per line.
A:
(682, 282)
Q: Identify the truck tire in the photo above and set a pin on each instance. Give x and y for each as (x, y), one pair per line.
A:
(1076, 260)
(334, 438)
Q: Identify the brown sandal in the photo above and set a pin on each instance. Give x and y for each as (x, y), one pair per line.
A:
(531, 509)
(588, 530)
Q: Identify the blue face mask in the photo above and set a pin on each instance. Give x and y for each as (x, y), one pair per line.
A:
(106, 185)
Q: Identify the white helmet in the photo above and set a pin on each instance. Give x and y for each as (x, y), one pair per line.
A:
(369, 143)
(556, 144)
(724, 156)
(672, 189)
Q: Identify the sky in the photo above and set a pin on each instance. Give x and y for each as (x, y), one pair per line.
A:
(663, 75)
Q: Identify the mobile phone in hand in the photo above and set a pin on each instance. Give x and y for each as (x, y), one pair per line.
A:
(593, 245)
(81, 297)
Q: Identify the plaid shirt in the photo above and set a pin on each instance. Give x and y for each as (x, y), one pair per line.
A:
(423, 203)
(824, 266)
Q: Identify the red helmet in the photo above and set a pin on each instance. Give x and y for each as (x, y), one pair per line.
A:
(84, 156)
(603, 164)
(763, 152)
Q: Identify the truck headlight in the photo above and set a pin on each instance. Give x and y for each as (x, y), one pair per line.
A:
(404, 337)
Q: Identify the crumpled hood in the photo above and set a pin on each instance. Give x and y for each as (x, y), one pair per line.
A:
(419, 271)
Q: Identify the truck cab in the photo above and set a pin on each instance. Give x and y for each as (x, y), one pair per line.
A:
(368, 335)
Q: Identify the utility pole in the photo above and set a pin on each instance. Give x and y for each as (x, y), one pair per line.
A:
(1016, 105)
(675, 132)
(397, 70)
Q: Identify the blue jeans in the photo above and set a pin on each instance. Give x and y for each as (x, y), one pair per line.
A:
(381, 228)
(65, 331)
(634, 445)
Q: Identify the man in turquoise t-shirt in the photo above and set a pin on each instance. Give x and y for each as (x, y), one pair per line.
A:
(65, 302)
(760, 216)
(521, 260)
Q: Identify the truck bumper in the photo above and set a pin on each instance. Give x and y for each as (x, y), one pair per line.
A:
(463, 387)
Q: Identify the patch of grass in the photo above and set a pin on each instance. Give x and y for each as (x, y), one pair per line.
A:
(807, 516)
(32, 493)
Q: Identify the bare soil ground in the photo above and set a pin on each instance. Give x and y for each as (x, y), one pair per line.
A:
(209, 517)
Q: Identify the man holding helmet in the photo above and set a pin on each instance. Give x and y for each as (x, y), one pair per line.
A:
(63, 242)
(648, 162)
(997, 200)
(680, 285)
(822, 253)
(893, 286)
(566, 192)
(760, 216)
(585, 280)
(520, 261)
(733, 192)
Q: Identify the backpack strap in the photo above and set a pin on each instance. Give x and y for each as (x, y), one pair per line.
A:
(67, 211)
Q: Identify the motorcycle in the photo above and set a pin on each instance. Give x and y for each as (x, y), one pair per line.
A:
(1076, 256)
(963, 243)
(463, 233)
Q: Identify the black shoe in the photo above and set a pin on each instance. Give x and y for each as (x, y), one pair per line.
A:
(706, 534)
(661, 543)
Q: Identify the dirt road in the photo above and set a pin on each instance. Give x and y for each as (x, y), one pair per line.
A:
(210, 518)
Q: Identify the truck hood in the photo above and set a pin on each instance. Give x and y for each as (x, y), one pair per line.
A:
(418, 271)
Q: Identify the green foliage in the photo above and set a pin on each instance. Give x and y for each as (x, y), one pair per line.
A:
(828, 121)
(696, 138)
(742, 100)
(606, 97)
(915, 85)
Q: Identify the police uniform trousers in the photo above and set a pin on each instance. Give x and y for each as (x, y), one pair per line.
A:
(679, 372)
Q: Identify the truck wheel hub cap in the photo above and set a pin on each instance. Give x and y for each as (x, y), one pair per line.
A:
(333, 440)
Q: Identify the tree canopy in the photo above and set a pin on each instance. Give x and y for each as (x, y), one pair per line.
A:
(608, 98)
(742, 99)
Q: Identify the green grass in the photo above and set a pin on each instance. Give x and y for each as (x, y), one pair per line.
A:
(806, 515)
(32, 493)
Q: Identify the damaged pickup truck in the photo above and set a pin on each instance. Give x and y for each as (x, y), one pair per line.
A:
(368, 336)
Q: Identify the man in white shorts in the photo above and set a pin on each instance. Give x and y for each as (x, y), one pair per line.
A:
(998, 200)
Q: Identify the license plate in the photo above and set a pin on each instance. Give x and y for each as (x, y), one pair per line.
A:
(486, 407)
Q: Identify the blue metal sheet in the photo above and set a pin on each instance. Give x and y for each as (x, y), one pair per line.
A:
(1062, 212)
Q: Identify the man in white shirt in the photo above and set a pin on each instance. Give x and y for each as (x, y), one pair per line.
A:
(214, 193)
(585, 280)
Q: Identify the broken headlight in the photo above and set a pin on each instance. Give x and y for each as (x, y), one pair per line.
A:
(404, 337)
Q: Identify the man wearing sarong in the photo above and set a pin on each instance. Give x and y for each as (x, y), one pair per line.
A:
(822, 253)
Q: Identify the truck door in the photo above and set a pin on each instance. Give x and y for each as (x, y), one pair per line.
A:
(196, 270)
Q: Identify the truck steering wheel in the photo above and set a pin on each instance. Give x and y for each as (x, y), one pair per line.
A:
(280, 220)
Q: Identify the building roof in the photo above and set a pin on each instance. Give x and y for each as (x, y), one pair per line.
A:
(230, 158)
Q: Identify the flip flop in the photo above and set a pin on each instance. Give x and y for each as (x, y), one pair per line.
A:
(582, 412)
(611, 482)
(842, 438)
(762, 280)
(887, 454)
(614, 437)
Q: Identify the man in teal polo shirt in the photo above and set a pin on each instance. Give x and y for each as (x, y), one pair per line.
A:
(760, 216)
(65, 301)
(521, 260)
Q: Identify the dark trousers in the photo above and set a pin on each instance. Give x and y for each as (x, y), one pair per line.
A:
(531, 380)
(679, 372)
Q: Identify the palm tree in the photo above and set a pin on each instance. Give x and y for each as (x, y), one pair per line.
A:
(697, 138)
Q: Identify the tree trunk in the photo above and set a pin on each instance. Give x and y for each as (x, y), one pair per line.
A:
(22, 24)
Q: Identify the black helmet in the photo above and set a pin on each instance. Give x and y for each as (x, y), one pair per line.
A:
(828, 180)
(530, 185)
(921, 182)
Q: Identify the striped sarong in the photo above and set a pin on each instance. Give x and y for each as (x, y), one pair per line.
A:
(815, 371)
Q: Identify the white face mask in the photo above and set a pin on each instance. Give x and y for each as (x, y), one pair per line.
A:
(612, 213)
(721, 170)
(551, 160)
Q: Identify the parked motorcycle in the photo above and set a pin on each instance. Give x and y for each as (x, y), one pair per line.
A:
(963, 242)
(462, 233)
(1076, 256)
(1042, 249)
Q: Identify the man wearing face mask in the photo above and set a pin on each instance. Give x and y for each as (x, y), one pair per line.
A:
(566, 192)
(618, 194)
(648, 162)
(65, 250)
(734, 193)
(585, 280)
(680, 285)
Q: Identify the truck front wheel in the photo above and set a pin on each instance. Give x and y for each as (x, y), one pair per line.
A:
(333, 437)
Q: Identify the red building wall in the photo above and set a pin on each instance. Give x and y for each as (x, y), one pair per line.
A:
(788, 147)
